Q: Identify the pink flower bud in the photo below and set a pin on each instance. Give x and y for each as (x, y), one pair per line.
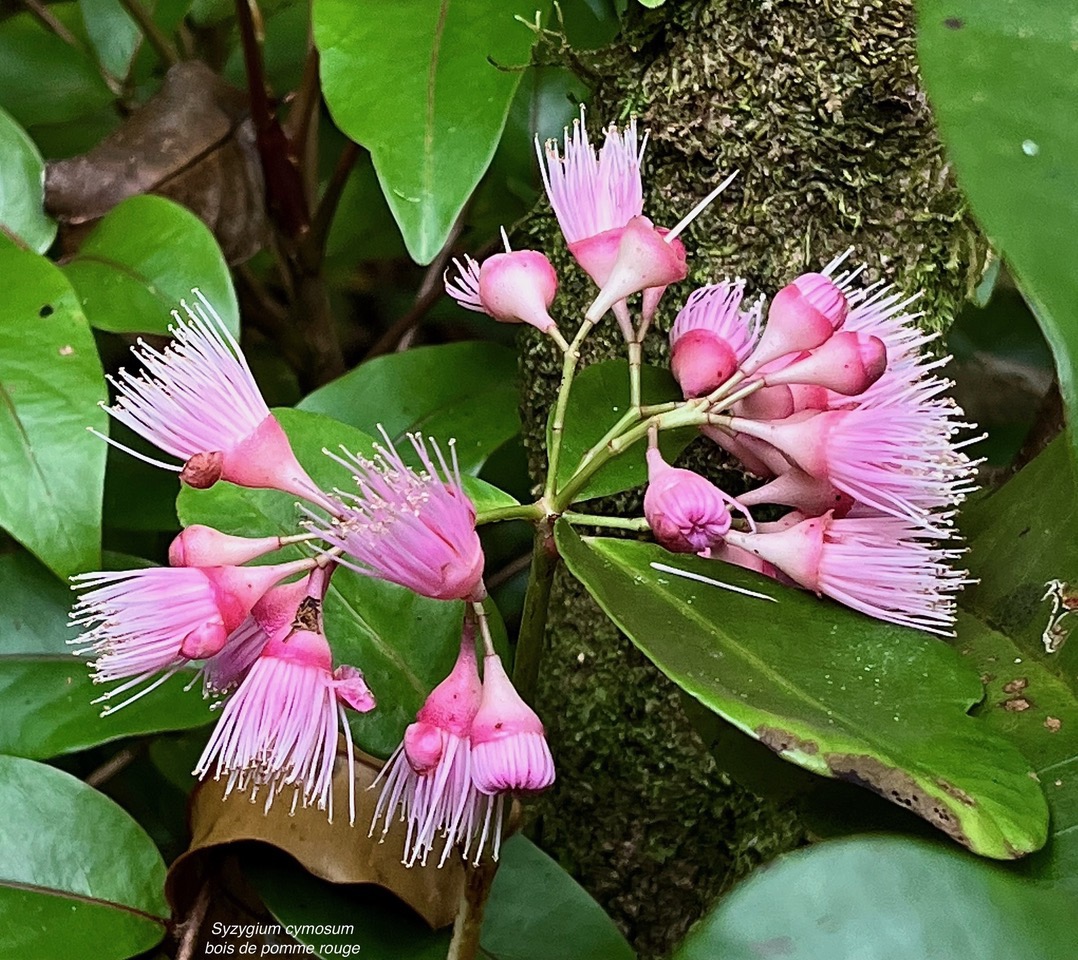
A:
(509, 748)
(202, 546)
(768, 403)
(686, 513)
(519, 286)
(701, 361)
(803, 315)
(645, 259)
(848, 363)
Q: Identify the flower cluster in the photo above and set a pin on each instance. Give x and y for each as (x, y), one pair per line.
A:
(826, 394)
(255, 632)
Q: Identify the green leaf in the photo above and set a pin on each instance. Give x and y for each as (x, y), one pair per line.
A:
(74, 869)
(836, 693)
(50, 384)
(143, 258)
(880, 898)
(44, 80)
(1022, 541)
(1003, 79)
(115, 35)
(405, 644)
(22, 186)
(426, 88)
(533, 896)
(462, 391)
(47, 693)
(599, 399)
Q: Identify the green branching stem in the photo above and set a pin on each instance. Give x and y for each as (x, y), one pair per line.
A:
(518, 511)
(614, 523)
(557, 426)
(636, 355)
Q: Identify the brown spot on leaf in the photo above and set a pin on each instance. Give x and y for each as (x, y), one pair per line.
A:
(1016, 705)
(898, 787)
(957, 792)
(1052, 724)
(782, 740)
(1016, 686)
(954, 23)
(45, 311)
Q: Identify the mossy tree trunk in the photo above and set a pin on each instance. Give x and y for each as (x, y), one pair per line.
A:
(818, 105)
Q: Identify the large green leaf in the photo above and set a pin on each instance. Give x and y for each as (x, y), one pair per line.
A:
(22, 184)
(1025, 537)
(462, 391)
(599, 398)
(531, 897)
(46, 693)
(405, 644)
(43, 80)
(884, 898)
(844, 696)
(74, 869)
(143, 258)
(50, 384)
(425, 85)
(1003, 79)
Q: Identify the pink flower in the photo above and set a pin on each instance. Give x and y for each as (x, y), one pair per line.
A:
(140, 622)
(279, 729)
(509, 748)
(880, 565)
(198, 401)
(517, 286)
(712, 336)
(429, 777)
(226, 668)
(412, 528)
(846, 364)
(686, 513)
(592, 191)
(900, 458)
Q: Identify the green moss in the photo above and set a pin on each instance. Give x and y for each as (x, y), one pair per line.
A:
(819, 108)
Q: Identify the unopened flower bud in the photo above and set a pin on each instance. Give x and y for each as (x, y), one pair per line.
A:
(848, 363)
(686, 513)
(701, 361)
(202, 546)
(803, 315)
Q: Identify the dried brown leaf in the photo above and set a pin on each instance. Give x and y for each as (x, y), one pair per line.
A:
(192, 142)
(336, 852)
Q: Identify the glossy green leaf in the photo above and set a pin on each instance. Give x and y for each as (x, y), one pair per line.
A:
(883, 898)
(22, 183)
(115, 35)
(404, 644)
(46, 691)
(50, 384)
(42, 79)
(462, 391)
(835, 692)
(533, 896)
(599, 399)
(1003, 80)
(426, 87)
(1023, 541)
(143, 258)
(74, 869)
